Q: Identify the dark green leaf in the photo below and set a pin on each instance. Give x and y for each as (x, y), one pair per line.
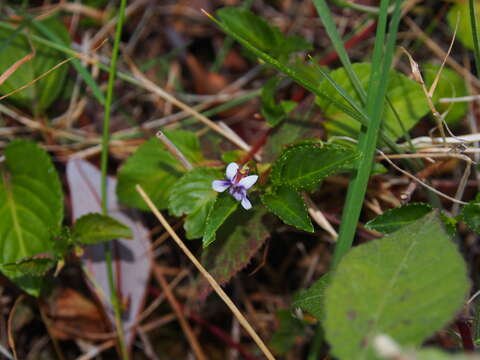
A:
(155, 169)
(239, 239)
(312, 299)
(407, 286)
(223, 207)
(285, 337)
(470, 215)
(288, 205)
(31, 205)
(31, 267)
(393, 219)
(94, 228)
(193, 196)
(259, 33)
(304, 165)
(272, 112)
(14, 46)
(406, 96)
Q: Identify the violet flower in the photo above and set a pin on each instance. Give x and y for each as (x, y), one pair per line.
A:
(238, 182)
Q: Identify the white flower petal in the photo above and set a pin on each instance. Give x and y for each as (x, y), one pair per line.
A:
(220, 185)
(247, 205)
(231, 171)
(247, 182)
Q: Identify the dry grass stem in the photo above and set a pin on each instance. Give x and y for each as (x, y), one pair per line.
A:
(172, 149)
(216, 287)
(192, 339)
(11, 338)
(319, 218)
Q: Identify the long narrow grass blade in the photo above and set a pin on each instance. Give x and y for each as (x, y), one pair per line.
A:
(473, 24)
(327, 20)
(367, 143)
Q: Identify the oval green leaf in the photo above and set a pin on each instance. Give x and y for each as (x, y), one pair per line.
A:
(393, 219)
(407, 286)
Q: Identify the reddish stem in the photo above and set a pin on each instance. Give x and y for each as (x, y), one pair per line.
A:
(466, 335)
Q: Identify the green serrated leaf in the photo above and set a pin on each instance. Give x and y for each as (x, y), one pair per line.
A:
(393, 219)
(304, 165)
(406, 285)
(14, 46)
(223, 207)
(239, 239)
(193, 196)
(156, 170)
(259, 33)
(312, 299)
(31, 208)
(96, 228)
(31, 267)
(406, 96)
(288, 205)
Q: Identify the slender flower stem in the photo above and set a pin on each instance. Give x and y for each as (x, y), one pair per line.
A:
(104, 166)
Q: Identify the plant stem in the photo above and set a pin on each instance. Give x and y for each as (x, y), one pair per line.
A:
(104, 166)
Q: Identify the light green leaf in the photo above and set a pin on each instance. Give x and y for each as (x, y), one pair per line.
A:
(193, 196)
(406, 96)
(14, 46)
(31, 205)
(393, 219)
(288, 205)
(238, 240)
(261, 34)
(95, 228)
(312, 299)
(36, 266)
(407, 285)
(460, 10)
(303, 165)
(450, 85)
(155, 169)
(223, 207)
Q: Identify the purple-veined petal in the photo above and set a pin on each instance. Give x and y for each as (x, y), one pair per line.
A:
(238, 192)
(247, 182)
(220, 185)
(231, 171)
(247, 205)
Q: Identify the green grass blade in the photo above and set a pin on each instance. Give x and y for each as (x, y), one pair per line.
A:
(367, 143)
(104, 166)
(327, 20)
(473, 24)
